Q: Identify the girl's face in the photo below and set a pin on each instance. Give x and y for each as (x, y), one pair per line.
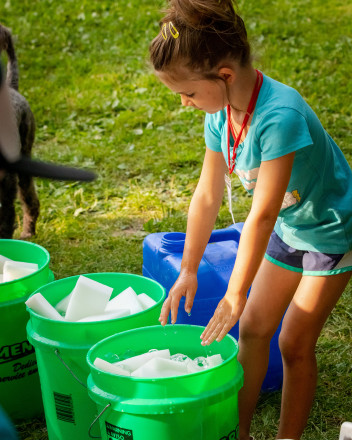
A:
(202, 94)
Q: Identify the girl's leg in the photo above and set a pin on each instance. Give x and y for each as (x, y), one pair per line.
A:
(316, 296)
(271, 293)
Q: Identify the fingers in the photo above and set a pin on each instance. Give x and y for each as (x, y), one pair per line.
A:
(223, 332)
(174, 309)
(211, 333)
(217, 331)
(189, 302)
(221, 323)
(170, 304)
(165, 310)
(208, 330)
(185, 286)
(215, 324)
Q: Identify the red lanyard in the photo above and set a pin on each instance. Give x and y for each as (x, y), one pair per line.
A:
(251, 105)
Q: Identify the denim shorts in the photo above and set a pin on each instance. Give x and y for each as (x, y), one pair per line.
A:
(306, 262)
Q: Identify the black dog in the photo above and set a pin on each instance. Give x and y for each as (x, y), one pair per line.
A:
(26, 127)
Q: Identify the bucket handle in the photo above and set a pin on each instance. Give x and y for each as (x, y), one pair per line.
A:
(57, 353)
(95, 421)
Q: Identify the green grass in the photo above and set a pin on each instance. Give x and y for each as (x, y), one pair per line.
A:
(84, 70)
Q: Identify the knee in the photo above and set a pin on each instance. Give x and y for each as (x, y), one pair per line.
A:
(252, 326)
(295, 347)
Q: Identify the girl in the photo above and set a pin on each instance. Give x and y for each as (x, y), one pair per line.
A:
(295, 248)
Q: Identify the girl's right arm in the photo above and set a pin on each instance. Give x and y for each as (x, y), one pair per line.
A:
(202, 214)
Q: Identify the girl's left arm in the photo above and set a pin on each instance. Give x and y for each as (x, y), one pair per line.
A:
(273, 178)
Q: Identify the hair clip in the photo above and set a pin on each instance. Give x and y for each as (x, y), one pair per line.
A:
(163, 31)
(173, 31)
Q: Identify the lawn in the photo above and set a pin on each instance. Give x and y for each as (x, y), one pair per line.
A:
(84, 69)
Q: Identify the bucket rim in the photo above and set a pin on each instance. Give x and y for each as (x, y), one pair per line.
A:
(62, 280)
(156, 379)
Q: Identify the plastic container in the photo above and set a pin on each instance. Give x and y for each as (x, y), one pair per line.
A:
(20, 394)
(198, 406)
(61, 348)
(162, 255)
(30, 253)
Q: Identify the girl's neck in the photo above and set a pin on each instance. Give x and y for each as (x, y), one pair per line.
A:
(240, 92)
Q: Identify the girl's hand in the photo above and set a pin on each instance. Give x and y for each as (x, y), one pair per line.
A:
(185, 285)
(225, 317)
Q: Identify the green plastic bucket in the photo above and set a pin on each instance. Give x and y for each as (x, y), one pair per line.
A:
(61, 348)
(29, 253)
(199, 406)
(20, 394)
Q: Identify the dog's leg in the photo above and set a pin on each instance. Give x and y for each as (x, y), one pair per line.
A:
(8, 192)
(27, 192)
(30, 205)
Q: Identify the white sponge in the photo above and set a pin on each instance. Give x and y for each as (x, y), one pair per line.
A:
(346, 431)
(159, 367)
(127, 299)
(2, 262)
(88, 298)
(135, 362)
(62, 305)
(110, 368)
(40, 305)
(145, 300)
(14, 270)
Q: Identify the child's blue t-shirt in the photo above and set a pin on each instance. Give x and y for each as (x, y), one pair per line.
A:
(316, 214)
(7, 431)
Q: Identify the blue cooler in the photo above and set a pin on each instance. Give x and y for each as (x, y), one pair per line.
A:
(162, 255)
